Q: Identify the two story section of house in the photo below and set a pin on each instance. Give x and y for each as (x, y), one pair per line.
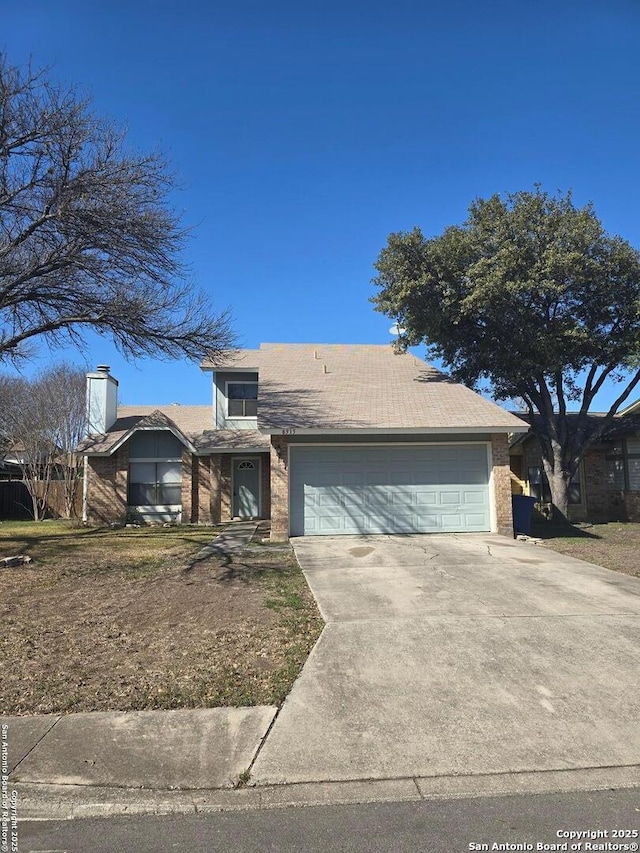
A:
(322, 439)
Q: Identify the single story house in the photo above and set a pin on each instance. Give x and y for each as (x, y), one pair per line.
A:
(321, 439)
(606, 486)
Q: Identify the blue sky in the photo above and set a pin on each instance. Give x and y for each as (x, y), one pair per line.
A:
(303, 133)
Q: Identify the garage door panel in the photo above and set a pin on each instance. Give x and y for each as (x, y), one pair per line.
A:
(402, 497)
(473, 498)
(425, 498)
(474, 519)
(329, 524)
(421, 488)
(451, 499)
(452, 522)
(380, 501)
(355, 524)
(331, 500)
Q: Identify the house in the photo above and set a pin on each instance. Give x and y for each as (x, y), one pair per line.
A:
(606, 486)
(321, 439)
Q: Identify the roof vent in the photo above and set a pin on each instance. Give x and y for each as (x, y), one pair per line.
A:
(103, 368)
(315, 353)
(324, 368)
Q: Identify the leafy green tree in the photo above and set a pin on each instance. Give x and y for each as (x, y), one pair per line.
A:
(533, 297)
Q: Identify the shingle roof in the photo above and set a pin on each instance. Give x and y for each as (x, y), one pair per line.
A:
(345, 386)
(195, 423)
(621, 425)
(324, 387)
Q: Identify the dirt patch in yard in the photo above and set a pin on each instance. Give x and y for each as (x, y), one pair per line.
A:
(615, 545)
(124, 620)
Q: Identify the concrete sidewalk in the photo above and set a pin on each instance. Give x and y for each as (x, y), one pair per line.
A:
(195, 761)
(205, 748)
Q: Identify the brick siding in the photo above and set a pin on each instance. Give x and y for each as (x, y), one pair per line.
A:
(501, 481)
(215, 466)
(599, 502)
(265, 486)
(203, 496)
(279, 489)
(624, 506)
(107, 487)
(226, 506)
(632, 505)
(186, 489)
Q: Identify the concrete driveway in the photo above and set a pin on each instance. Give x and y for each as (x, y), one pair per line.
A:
(459, 654)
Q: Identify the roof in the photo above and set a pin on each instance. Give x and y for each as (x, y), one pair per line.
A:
(631, 409)
(327, 387)
(621, 425)
(192, 424)
(322, 388)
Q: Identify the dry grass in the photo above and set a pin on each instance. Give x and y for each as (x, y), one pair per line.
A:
(126, 619)
(615, 545)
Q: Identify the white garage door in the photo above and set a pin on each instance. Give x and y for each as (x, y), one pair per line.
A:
(378, 489)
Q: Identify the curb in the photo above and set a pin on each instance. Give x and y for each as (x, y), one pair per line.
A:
(37, 802)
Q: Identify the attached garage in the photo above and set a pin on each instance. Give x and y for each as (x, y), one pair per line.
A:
(437, 488)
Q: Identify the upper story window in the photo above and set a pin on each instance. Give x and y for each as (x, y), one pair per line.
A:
(242, 399)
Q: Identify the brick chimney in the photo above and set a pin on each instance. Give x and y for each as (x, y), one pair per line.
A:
(102, 400)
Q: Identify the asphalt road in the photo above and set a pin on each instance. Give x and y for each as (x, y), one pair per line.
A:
(612, 818)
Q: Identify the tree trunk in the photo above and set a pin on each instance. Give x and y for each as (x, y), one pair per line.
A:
(559, 479)
(559, 485)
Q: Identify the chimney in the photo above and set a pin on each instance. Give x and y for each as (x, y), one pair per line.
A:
(102, 400)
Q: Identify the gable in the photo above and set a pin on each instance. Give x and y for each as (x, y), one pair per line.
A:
(154, 444)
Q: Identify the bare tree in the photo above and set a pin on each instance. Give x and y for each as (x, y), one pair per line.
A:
(41, 423)
(27, 427)
(64, 387)
(88, 239)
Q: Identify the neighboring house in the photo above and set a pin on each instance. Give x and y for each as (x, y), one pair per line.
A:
(321, 439)
(9, 467)
(606, 486)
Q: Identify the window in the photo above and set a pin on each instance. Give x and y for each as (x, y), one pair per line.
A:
(615, 473)
(154, 445)
(242, 399)
(155, 483)
(540, 490)
(155, 469)
(623, 465)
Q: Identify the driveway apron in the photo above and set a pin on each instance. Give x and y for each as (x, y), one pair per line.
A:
(459, 654)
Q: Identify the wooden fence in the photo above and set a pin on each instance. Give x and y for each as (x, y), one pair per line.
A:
(16, 503)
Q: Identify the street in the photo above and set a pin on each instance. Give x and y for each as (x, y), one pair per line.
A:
(581, 821)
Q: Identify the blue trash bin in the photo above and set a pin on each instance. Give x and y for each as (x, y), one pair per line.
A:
(522, 506)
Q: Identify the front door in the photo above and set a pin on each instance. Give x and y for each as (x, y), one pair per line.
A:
(246, 488)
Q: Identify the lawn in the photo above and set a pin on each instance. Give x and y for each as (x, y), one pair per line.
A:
(615, 545)
(127, 620)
